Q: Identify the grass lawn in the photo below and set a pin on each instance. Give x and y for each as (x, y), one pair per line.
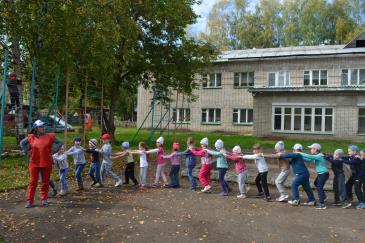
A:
(14, 172)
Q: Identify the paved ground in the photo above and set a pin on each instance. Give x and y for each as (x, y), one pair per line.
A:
(172, 215)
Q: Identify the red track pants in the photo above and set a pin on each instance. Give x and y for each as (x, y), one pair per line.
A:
(204, 174)
(33, 181)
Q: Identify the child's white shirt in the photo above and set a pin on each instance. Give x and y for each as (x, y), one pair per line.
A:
(60, 161)
(259, 161)
(143, 159)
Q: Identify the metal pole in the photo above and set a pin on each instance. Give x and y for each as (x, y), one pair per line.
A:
(161, 117)
(85, 105)
(153, 115)
(168, 121)
(177, 100)
(3, 93)
(30, 119)
(56, 98)
(68, 77)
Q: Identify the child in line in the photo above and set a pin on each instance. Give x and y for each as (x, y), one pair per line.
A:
(241, 169)
(129, 169)
(284, 173)
(161, 163)
(143, 164)
(190, 161)
(358, 163)
(206, 164)
(301, 176)
(175, 165)
(339, 187)
(94, 171)
(263, 170)
(317, 158)
(106, 165)
(222, 165)
(78, 156)
(60, 160)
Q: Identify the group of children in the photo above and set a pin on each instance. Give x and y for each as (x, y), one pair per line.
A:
(296, 159)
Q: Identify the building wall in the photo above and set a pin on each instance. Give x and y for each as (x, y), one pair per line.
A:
(227, 97)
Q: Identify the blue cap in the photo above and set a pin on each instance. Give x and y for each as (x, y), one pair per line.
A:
(77, 139)
(125, 145)
(354, 148)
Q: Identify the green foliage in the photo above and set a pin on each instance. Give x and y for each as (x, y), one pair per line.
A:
(274, 23)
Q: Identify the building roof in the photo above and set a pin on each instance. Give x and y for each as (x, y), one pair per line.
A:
(351, 88)
(287, 52)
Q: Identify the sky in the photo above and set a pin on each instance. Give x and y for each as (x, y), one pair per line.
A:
(203, 11)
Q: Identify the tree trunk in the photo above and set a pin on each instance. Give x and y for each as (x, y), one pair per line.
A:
(68, 77)
(110, 125)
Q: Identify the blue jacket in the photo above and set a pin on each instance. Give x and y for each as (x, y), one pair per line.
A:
(296, 161)
(190, 158)
(337, 165)
(358, 165)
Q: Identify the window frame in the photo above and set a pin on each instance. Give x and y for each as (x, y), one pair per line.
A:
(358, 121)
(319, 77)
(240, 80)
(178, 115)
(207, 113)
(303, 117)
(238, 111)
(349, 76)
(277, 74)
(206, 83)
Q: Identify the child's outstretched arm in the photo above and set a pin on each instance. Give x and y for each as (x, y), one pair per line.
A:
(119, 155)
(152, 151)
(250, 156)
(214, 153)
(169, 156)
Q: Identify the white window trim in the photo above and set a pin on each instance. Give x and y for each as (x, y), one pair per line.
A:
(239, 116)
(358, 117)
(302, 131)
(277, 78)
(215, 80)
(319, 77)
(207, 122)
(178, 113)
(240, 80)
(349, 76)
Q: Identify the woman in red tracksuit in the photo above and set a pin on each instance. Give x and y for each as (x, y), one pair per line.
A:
(39, 144)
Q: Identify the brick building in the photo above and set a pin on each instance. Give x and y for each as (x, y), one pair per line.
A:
(293, 91)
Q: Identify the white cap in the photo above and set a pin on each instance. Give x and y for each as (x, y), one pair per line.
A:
(298, 146)
(93, 142)
(315, 146)
(219, 144)
(160, 140)
(237, 149)
(339, 152)
(204, 141)
(279, 146)
(38, 123)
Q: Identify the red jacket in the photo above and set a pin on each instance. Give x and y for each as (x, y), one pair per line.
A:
(41, 150)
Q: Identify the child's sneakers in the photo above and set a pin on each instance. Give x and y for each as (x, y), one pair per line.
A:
(118, 183)
(346, 205)
(62, 193)
(29, 204)
(360, 206)
(282, 198)
(44, 203)
(320, 206)
(206, 188)
(154, 185)
(54, 192)
(98, 185)
(267, 199)
(337, 203)
(223, 194)
(241, 196)
(294, 202)
(94, 183)
(311, 203)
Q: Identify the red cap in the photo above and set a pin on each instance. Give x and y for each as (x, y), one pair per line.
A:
(105, 136)
(12, 75)
(176, 146)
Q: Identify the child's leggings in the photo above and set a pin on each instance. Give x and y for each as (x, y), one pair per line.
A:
(280, 180)
(109, 171)
(261, 183)
(204, 174)
(160, 173)
(129, 173)
(63, 179)
(360, 189)
(319, 182)
(241, 180)
(143, 175)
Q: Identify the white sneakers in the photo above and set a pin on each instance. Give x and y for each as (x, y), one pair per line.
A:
(206, 188)
(118, 183)
(241, 196)
(62, 192)
(283, 198)
(294, 202)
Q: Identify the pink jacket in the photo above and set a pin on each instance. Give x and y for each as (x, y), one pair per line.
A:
(240, 164)
(160, 151)
(205, 157)
(175, 160)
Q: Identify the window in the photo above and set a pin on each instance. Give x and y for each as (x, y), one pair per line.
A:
(278, 79)
(353, 77)
(181, 115)
(242, 116)
(213, 80)
(304, 119)
(315, 77)
(211, 115)
(245, 79)
(361, 125)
